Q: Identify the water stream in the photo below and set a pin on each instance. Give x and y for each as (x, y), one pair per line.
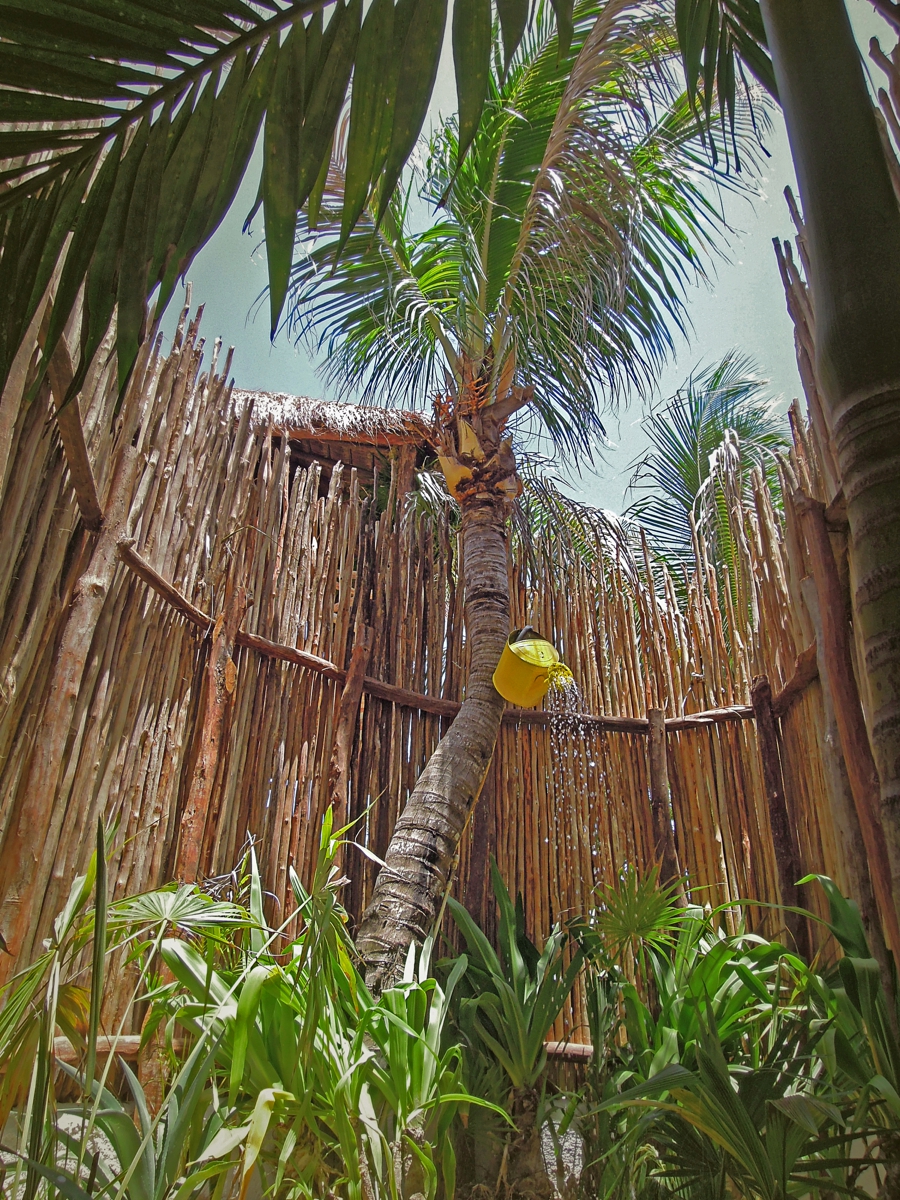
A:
(570, 747)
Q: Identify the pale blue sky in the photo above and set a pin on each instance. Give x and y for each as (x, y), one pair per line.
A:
(742, 307)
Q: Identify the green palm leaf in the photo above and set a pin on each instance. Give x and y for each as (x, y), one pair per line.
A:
(564, 239)
(717, 39)
(128, 126)
(673, 479)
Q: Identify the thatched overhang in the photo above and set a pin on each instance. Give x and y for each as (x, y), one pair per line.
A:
(326, 432)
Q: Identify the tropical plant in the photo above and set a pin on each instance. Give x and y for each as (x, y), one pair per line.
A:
(328, 1090)
(285, 1060)
(720, 410)
(806, 52)
(735, 1067)
(130, 127)
(55, 1142)
(549, 280)
(508, 1001)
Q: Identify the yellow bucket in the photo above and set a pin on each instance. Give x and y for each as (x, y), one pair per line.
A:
(523, 672)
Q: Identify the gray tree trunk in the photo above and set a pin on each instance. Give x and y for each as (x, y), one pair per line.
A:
(853, 232)
(423, 849)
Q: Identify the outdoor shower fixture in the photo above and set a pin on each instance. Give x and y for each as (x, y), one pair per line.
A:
(528, 666)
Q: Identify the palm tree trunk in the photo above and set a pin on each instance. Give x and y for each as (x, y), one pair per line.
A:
(423, 849)
(853, 230)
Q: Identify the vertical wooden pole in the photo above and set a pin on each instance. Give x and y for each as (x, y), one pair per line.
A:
(348, 713)
(660, 798)
(220, 684)
(23, 847)
(845, 818)
(787, 854)
(860, 762)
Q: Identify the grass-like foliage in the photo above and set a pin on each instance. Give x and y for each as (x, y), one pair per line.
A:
(722, 1064)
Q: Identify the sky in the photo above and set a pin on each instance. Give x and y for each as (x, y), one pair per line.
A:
(741, 307)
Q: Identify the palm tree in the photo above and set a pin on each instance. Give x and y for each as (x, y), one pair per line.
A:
(128, 126)
(853, 238)
(549, 280)
(722, 408)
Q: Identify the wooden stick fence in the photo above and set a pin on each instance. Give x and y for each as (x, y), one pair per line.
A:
(189, 672)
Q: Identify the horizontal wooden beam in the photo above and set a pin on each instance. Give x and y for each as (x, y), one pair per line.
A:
(378, 439)
(804, 674)
(569, 1051)
(126, 1045)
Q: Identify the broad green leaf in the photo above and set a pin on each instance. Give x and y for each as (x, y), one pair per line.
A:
(191, 1185)
(65, 1184)
(203, 214)
(179, 186)
(369, 98)
(107, 265)
(257, 908)
(513, 20)
(127, 1143)
(248, 1003)
(224, 1142)
(98, 956)
(472, 60)
(281, 157)
(418, 51)
(131, 318)
(256, 1132)
(191, 970)
(564, 23)
(81, 249)
(314, 203)
(332, 74)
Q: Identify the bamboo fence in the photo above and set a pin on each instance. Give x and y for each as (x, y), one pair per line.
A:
(188, 673)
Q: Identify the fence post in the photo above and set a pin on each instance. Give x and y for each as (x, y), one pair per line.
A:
(787, 855)
(26, 851)
(660, 798)
(220, 684)
(339, 771)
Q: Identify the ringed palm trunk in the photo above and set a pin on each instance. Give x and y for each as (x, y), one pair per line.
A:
(853, 228)
(423, 849)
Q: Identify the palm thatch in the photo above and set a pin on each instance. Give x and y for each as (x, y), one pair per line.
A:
(304, 418)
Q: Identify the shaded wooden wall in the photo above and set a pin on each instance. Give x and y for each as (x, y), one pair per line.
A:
(108, 689)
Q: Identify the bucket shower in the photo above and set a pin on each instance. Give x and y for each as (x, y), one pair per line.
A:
(527, 667)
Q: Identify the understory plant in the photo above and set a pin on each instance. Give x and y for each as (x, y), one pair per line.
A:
(286, 1070)
(733, 1067)
(722, 1065)
(508, 1001)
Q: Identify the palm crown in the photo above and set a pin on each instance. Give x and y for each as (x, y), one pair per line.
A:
(561, 247)
(721, 412)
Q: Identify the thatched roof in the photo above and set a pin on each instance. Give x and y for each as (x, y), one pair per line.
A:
(305, 419)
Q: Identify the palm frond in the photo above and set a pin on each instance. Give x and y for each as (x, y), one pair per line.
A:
(564, 242)
(616, 226)
(132, 127)
(128, 126)
(675, 476)
(384, 313)
(717, 39)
